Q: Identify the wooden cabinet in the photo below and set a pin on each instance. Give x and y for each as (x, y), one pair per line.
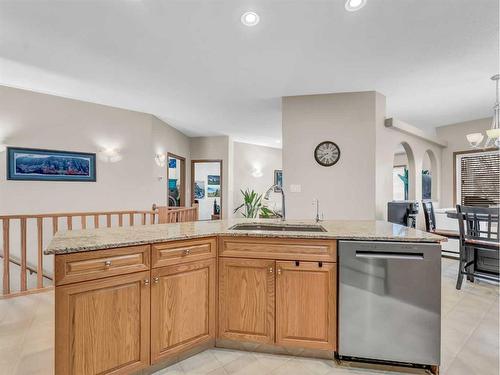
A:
(278, 248)
(246, 299)
(175, 252)
(76, 267)
(182, 308)
(306, 304)
(102, 326)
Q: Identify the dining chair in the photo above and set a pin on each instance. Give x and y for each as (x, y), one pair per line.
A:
(430, 222)
(478, 231)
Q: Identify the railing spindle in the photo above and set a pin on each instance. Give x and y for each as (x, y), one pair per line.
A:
(6, 256)
(131, 219)
(69, 221)
(55, 225)
(143, 219)
(83, 219)
(23, 254)
(39, 268)
(108, 220)
(120, 220)
(96, 221)
(151, 218)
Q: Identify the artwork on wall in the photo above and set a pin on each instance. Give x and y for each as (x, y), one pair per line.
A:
(199, 189)
(50, 165)
(172, 163)
(213, 191)
(213, 180)
(278, 178)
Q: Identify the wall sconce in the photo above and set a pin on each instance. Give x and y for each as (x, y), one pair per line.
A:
(257, 172)
(110, 155)
(160, 160)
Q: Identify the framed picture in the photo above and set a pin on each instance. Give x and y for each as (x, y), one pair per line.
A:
(278, 178)
(213, 191)
(31, 164)
(199, 189)
(213, 180)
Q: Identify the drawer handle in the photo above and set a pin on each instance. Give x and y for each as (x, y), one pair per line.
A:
(187, 252)
(107, 263)
(271, 270)
(146, 282)
(156, 280)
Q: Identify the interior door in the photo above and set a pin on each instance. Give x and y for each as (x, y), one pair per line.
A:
(246, 299)
(207, 188)
(183, 307)
(306, 304)
(102, 326)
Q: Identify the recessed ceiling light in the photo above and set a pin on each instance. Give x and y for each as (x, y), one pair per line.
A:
(354, 5)
(250, 18)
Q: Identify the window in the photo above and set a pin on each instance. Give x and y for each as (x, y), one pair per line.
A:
(478, 178)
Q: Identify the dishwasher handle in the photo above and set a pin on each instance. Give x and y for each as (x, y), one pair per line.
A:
(389, 255)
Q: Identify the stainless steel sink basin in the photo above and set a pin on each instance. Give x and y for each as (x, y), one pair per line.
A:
(279, 227)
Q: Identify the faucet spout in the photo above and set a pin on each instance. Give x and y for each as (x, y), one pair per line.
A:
(278, 189)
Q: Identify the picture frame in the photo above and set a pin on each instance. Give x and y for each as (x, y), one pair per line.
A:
(32, 164)
(278, 179)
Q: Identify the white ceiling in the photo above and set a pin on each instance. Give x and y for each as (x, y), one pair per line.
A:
(193, 64)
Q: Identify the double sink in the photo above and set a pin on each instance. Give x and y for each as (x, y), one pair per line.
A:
(278, 227)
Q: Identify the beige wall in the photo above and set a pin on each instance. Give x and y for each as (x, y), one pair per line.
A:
(168, 139)
(360, 184)
(455, 134)
(345, 190)
(387, 141)
(29, 119)
(217, 148)
(254, 169)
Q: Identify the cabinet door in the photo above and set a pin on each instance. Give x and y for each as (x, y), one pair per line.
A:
(306, 304)
(246, 299)
(182, 308)
(102, 326)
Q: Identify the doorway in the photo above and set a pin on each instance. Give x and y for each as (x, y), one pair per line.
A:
(176, 180)
(206, 187)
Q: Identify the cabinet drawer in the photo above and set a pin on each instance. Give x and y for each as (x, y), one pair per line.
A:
(279, 248)
(175, 252)
(76, 267)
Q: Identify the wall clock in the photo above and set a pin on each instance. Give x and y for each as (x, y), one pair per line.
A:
(327, 153)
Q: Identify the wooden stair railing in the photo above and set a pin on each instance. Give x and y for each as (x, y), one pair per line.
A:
(44, 226)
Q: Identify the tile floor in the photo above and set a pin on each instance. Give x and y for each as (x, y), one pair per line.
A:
(470, 339)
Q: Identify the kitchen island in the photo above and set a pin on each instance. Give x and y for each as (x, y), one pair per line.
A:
(135, 299)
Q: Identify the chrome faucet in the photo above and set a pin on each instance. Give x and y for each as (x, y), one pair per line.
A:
(317, 211)
(278, 189)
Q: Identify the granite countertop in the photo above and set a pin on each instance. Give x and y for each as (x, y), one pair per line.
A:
(107, 238)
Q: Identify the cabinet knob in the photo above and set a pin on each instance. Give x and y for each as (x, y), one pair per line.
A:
(156, 280)
(146, 282)
(187, 252)
(271, 270)
(107, 263)
(279, 271)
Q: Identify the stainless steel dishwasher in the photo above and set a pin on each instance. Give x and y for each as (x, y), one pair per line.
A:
(390, 301)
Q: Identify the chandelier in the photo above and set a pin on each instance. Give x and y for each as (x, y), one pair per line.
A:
(493, 134)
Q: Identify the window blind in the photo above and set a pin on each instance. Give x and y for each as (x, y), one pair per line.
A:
(480, 179)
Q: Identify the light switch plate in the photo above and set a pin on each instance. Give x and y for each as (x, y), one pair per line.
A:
(295, 188)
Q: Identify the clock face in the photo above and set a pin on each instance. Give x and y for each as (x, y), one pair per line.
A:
(327, 153)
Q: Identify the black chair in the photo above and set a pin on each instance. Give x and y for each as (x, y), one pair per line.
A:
(478, 234)
(430, 222)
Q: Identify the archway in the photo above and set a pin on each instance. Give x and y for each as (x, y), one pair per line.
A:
(429, 176)
(403, 173)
